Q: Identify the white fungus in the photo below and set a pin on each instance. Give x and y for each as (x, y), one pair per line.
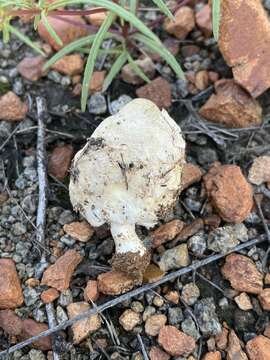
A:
(129, 173)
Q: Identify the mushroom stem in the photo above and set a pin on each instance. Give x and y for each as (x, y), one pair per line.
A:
(126, 240)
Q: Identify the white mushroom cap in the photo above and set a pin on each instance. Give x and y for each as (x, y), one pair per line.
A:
(129, 172)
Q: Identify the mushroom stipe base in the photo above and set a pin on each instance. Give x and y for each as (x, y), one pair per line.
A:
(132, 263)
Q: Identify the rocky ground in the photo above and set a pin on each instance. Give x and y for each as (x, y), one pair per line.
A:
(219, 311)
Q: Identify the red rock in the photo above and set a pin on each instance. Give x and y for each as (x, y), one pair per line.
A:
(231, 106)
(48, 296)
(171, 44)
(259, 172)
(201, 80)
(191, 174)
(183, 23)
(158, 91)
(91, 291)
(157, 354)
(166, 232)
(213, 355)
(154, 323)
(204, 20)
(234, 350)
(247, 52)
(82, 328)
(189, 50)
(173, 296)
(10, 322)
(175, 342)
(212, 220)
(97, 81)
(59, 161)
(32, 282)
(114, 283)
(59, 274)
(130, 76)
(222, 339)
(152, 274)
(65, 28)
(213, 76)
(12, 108)
(79, 230)
(229, 192)
(264, 299)
(258, 348)
(190, 230)
(242, 273)
(11, 295)
(32, 328)
(69, 65)
(31, 68)
(129, 319)
(267, 331)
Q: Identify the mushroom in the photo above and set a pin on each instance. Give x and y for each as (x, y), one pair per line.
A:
(128, 174)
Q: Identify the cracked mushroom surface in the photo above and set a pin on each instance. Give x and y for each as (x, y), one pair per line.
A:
(129, 173)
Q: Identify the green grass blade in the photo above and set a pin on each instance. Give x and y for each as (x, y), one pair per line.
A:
(163, 52)
(137, 69)
(111, 6)
(90, 64)
(50, 29)
(216, 17)
(25, 39)
(115, 69)
(86, 40)
(133, 6)
(164, 8)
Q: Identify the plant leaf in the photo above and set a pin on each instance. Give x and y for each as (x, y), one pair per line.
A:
(111, 6)
(163, 52)
(137, 69)
(164, 8)
(25, 39)
(133, 6)
(216, 18)
(116, 67)
(90, 64)
(51, 29)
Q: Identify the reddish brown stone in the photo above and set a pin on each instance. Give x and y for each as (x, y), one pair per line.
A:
(175, 342)
(258, 348)
(114, 283)
(157, 354)
(212, 220)
(10, 322)
(69, 65)
(11, 295)
(229, 192)
(213, 76)
(32, 328)
(259, 172)
(190, 230)
(183, 23)
(234, 350)
(191, 174)
(32, 282)
(48, 296)
(247, 52)
(60, 160)
(242, 273)
(267, 331)
(59, 274)
(65, 29)
(231, 106)
(31, 68)
(222, 339)
(130, 76)
(173, 296)
(189, 50)
(166, 232)
(213, 355)
(79, 230)
(201, 80)
(158, 91)
(82, 328)
(129, 319)
(264, 299)
(204, 20)
(91, 291)
(96, 19)
(97, 81)
(12, 108)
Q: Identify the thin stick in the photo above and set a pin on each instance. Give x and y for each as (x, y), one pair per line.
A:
(131, 294)
(144, 352)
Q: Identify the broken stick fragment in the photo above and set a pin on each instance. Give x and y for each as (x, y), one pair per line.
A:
(129, 173)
